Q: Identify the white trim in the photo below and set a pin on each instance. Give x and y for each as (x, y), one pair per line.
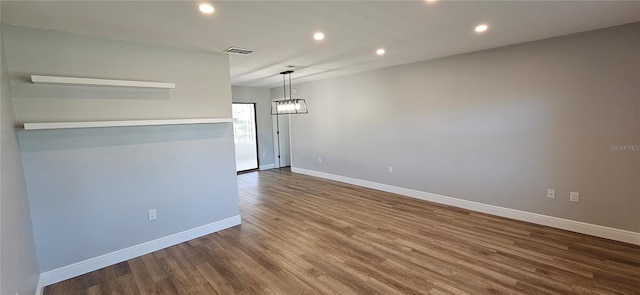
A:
(96, 124)
(561, 223)
(89, 265)
(99, 82)
(267, 167)
(40, 287)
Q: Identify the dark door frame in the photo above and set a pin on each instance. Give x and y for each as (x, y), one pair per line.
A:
(255, 126)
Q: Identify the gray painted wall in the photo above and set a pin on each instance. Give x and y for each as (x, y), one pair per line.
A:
(261, 97)
(497, 127)
(19, 266)
(202, 80)
(90, 189)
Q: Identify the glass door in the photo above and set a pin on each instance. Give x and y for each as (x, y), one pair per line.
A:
(244, 134)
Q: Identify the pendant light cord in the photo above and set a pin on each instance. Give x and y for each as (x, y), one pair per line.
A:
(284, 91)
(284, 87)
(290, 93)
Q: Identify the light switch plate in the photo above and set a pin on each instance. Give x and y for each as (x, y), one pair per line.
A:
(574, 197)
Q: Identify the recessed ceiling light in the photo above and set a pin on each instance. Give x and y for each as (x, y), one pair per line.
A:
(318, 36)
(481, 28)
(380, 51)
(206, 8)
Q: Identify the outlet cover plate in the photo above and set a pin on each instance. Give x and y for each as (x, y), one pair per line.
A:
(153, 214)
(551, 193)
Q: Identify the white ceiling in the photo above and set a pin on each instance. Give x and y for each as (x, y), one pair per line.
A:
(281, 32)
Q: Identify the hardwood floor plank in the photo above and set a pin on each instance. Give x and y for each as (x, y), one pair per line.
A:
(166, 287)
(126, 284)
(155, 270)
(305, 235)
(219, 284)
(145, 283)
(94, 290)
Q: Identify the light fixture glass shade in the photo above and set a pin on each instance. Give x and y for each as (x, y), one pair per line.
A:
(289, 106)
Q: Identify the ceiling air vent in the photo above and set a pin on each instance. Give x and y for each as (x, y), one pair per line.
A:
(237, 50)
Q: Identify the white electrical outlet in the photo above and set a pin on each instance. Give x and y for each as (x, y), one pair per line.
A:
(390, 170)
(551, 193)
(319, 159)
(152, 214)
(574, 197)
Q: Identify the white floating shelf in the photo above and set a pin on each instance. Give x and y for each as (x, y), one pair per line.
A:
(99, 82)
(98, 124)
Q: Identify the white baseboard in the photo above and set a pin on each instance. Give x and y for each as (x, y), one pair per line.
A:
(267, 167)
(89, 265)
(40, 287)
(566, 224)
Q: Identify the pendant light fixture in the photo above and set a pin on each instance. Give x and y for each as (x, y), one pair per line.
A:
(288, 105)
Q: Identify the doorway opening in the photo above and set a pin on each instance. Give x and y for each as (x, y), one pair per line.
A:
(281, 141)
(245, 136)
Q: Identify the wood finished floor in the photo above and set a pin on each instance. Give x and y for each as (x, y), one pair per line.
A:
(305, 235)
